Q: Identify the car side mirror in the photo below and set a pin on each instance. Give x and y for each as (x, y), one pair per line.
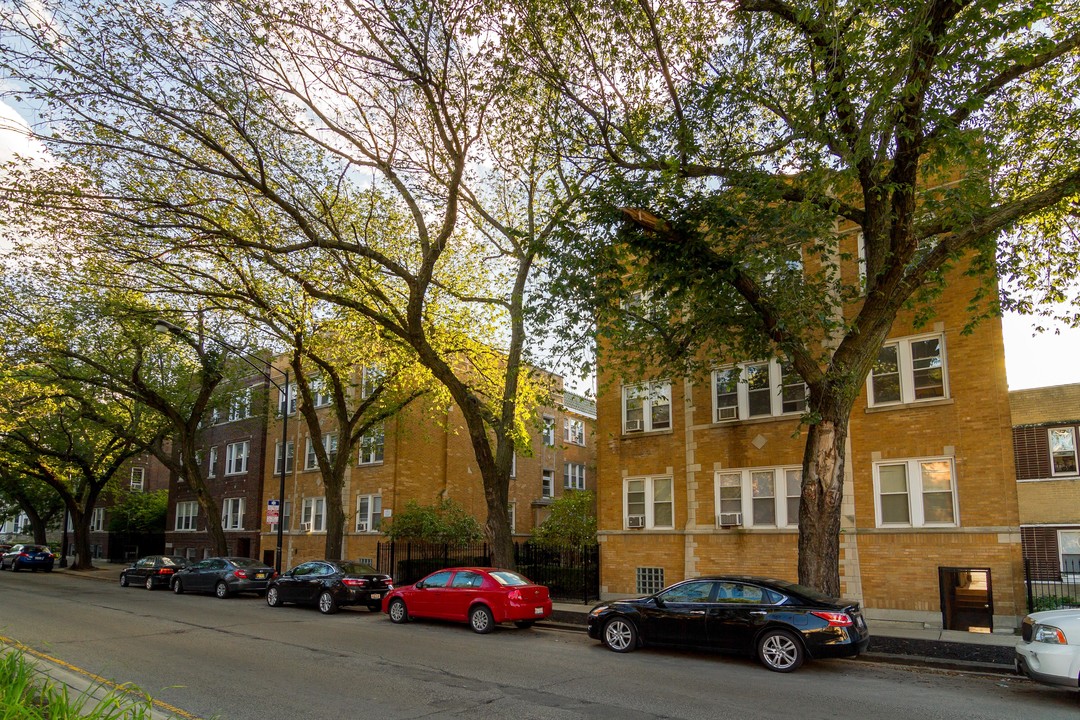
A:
(419, 586)
(659, 601)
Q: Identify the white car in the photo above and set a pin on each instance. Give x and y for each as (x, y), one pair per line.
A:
(1049, 649)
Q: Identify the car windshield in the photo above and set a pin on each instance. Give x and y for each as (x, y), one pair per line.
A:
(354, 568)
(806, 592)
(506, 577)
(35, 548)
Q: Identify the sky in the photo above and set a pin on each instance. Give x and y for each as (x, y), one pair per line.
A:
(1031, 360)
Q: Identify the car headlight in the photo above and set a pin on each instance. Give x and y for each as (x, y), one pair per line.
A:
(598, 609)
(1048, 634)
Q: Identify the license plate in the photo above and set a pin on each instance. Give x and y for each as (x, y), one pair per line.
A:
(376, 596)
(260, 576)
(538, 611)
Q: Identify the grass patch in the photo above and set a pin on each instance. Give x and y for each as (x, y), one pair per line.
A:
(25, 694)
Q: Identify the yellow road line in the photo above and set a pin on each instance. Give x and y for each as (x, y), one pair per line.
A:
(125, 688)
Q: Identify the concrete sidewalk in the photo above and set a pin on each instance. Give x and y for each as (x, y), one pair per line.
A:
(889, 642)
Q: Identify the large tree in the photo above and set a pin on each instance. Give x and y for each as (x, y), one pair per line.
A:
(380, 156)
(736, 138)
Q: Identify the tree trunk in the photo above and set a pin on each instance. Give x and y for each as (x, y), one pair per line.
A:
(37, 525)
(80, 521)
(205, 498)
(498, 525)
(819, 509)
(335, 512)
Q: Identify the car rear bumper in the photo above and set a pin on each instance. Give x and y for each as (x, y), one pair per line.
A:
(836, 642)
(1050, 664)
(516, 612)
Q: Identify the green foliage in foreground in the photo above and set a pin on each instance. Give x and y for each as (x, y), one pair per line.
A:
(443, 522)
(571, 523)
(26, 695)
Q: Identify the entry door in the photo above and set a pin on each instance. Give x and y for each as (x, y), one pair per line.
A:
(967, 599)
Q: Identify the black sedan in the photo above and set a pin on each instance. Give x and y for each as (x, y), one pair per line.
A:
(28, 557)
(780, 622)
(152, 571)
(330, 584)
(224, 576)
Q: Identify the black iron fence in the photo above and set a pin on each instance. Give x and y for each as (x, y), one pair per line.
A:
(1061, 590)
(568, 574)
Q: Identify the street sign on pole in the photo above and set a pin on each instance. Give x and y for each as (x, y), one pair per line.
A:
(272, 508)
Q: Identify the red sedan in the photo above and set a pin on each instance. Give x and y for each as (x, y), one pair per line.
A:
(484, 597)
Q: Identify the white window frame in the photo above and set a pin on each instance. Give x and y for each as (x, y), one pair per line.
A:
(232, 513)
(547, 432)
(313, 512)
(187, 516)
(211, 470)
(330, 444)
(290, 457)
(319, 397)
(286, 516)
(511, 510)
(906, 371)
(236, 457)
(547, 483)
(574, 431)
(138, 479)
(1050, 432)
(573, 476)
(373, 446)
(774, 370)
(97, 519)
(915, 492)
(649, 487)
(369, 518)
(653, 392)
(745, 502)
(1062, 532)
(240, 406)
(289, 391)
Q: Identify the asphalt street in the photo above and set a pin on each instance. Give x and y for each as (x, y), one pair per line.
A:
(239, 659)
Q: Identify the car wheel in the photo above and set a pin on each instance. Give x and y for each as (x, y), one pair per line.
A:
(123, 580)
(524, 624)
(398, 612)
(178, 587)
(272, 598)
(149, 582)
(780, 651)
(221, 590)
(327, 603)
(620, 635)
(480, 620)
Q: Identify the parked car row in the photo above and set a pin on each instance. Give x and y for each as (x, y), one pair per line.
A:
(780, 623)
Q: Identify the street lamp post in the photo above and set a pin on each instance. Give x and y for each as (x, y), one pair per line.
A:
(162, 325)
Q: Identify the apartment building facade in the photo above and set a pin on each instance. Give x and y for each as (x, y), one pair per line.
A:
(702, 475)
(1045, 426)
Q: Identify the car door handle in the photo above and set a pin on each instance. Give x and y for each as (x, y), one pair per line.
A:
(697, 612)
(758, 612)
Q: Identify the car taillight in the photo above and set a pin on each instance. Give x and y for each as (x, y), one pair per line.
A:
(354, 582)
(835, 619)
(240, 574)
(165, 571)
(514, 595)
(24, 554)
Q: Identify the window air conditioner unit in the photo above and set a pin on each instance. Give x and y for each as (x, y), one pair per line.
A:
(305, 527)
(633, 426)
(635, 521)
(729, 519)
(727, 413)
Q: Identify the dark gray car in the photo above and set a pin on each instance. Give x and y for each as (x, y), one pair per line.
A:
(152, 571)
(223, 576)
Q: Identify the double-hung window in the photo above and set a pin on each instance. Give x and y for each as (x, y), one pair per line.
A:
(368, 513)
(372, 445)
(330, 444)
(138, 479)
(288, 457)
(211, 468)
(232, 514)
(547, 483)
(1069, 547)
(909, 370)
(646, 407)
(574, 476)
(186, 515)
(1062, 451)
(548, 432)
(758, 497)
(756, 390)
(287, 400)
(97, 520)
(240, 405)
(236, 458)
(574, 431)
(648, 502)
(320, 396)
(919, 492)
(313, 515)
